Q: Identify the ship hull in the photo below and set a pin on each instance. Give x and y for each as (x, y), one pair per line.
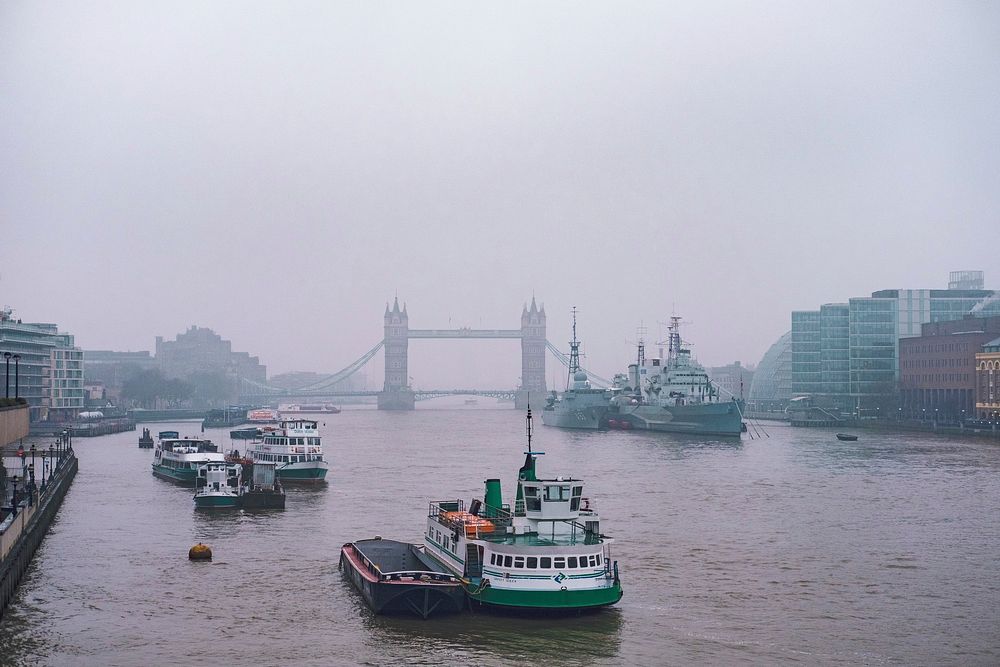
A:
(183, 476)
(589, 417)
(309, 472)
(216, 501)
(721, 419)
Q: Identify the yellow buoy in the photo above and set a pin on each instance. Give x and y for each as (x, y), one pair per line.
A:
(200, 552)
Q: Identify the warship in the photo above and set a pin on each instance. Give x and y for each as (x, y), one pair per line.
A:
(581, 405)
(673, 395)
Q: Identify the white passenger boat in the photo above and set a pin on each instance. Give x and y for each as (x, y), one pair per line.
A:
(295, 448)
(178, 459)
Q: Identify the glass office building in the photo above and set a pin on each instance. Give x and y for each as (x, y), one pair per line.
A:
(771, 387)
(847, 355)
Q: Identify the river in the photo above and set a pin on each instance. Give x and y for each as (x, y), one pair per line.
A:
(790, 548)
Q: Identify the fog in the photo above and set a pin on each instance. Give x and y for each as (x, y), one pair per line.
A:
(280, 171)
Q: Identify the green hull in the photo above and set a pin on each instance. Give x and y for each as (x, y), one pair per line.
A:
(186, 477)
(306, 475)
(216, 502)
(568, 600)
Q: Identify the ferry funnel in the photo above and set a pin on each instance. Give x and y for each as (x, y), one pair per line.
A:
(493, 499)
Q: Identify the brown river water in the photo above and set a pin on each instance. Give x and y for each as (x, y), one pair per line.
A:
(792, 548)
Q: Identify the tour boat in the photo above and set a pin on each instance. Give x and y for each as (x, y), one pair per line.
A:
(309, 408)
(219, 486)
(547, 555)
(178, 459)
(294, 446)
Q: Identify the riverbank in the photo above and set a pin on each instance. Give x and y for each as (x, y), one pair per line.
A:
(29, 504)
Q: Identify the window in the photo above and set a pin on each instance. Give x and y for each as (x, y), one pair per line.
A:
(571, 562)
(519, 562)
(559, 562)
(508, 561)
(532, 562)
(595, 560)
(556, 493)
(546, 563)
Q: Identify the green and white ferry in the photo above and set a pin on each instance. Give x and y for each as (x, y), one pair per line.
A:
(295, 448)
(219, 486)
(178, 459)
(547, 555)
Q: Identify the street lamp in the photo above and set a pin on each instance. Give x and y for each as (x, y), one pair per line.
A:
(43, 469)
(13, 496)
(17, 375)
(6, 358)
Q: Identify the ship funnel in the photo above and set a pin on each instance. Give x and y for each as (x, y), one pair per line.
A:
(493, 499)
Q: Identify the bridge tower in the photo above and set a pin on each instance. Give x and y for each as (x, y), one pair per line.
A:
(396, 392)
(532, 357)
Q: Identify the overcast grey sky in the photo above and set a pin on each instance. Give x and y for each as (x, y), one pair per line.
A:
(277, 171)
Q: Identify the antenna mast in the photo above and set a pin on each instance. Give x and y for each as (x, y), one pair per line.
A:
(574, 354)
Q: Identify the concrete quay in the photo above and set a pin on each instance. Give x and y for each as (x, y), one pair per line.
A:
(29, 497)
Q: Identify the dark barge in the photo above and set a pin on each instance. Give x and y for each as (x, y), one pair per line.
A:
(394, 578)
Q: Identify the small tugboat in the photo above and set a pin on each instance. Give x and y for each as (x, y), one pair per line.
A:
(847, 437)
(294, 446)
(219, 486)
(178, 459)
(146, 439)
(396, 577)
(548, 555)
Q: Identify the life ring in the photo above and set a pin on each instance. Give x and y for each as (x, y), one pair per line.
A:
(586, 504)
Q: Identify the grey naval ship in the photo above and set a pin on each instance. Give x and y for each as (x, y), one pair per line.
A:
(581, 405)
(673, 394)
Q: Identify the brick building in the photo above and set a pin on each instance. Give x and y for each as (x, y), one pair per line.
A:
(988, 381)
(938, 368)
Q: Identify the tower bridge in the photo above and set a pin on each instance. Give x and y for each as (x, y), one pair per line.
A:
(397, 394)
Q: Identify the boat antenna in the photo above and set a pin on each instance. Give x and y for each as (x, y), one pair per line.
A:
(528, 427)
(574, 354)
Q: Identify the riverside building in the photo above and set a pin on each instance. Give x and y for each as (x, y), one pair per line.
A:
(938, 368)
(48, 371)
(988, 381)
(846, 356)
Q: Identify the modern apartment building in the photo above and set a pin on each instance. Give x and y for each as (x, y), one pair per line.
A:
(45, 367)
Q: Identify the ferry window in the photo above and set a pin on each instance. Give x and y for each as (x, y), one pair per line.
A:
(530, 491)
(533, 505)
(546, 563)
(493, 559)
(577, 490)
(595, 560)
(559, 563)
(556, 493)
(574, 505)
(508, 561)
(519, 562)
(571, 562)
(437, 535)
(532, 562)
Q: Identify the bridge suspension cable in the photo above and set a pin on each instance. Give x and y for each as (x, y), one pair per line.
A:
(564, 360)
(324, 383)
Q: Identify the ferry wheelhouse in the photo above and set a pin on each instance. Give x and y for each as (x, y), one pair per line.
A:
(548, 554)
(178, 459)
(295, 448)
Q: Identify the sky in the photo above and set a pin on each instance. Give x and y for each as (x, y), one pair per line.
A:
(279, 171)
